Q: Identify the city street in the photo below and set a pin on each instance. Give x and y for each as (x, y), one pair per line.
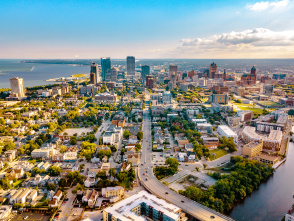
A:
(67, 207)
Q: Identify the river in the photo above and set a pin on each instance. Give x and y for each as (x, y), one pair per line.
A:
(273, 198)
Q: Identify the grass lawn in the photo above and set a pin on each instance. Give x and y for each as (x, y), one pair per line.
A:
(78, 75)
(249, 107)
(17, 183)
(219, 153)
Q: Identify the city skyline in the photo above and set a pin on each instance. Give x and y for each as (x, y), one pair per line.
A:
(153, 29)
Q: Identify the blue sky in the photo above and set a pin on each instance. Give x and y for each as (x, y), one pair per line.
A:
(146, 29)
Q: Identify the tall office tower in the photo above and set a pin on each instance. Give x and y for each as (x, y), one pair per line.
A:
(145, 72)
(17, 87)
(105, 65)
(131, 65)
(173, 70)
(94, 73)
(212, 70)
(149, 82)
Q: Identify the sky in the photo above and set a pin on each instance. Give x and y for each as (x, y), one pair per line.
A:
(208, 29)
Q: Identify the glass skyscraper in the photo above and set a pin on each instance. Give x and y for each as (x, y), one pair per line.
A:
(106, 66)
(131, 65)
(145, 72)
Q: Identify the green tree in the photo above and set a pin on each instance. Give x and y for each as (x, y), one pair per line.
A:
(9, 146)
(73, 140)
(138, 147)
(126, 134)
(63, 149)
(172, 162)
(140, 135)
(54, 171)
(112, 172)
(51, 186)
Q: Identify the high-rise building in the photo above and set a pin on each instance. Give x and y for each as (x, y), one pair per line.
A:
(131, 65)
(212, 70)
(105, 65)
(150, 82)
(173, 70)
(17, 87)
(94, 73)
(145, 72)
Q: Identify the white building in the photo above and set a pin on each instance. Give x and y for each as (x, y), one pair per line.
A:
(17, 87)
(225, 131)
(5, 211)
(133, 207)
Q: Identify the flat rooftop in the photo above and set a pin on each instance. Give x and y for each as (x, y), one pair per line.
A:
(227, 130)
(122, 209)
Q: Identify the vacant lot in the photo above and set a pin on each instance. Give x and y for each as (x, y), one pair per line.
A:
(79, 131)
(217, 153)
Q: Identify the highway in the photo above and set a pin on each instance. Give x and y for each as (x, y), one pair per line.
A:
(150, 182)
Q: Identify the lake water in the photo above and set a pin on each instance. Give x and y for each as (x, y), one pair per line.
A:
(273, 199)
(36, 74)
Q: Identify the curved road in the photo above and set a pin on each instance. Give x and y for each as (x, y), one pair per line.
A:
(150, 182)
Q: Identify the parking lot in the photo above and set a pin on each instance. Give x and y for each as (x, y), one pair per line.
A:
(31, 217)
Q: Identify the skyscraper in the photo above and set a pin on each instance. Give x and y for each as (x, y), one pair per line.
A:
(145, 72)
(105, 65)
(131, 65)
(94, 74)
(173, 74)
(17, 87)
(173, 70)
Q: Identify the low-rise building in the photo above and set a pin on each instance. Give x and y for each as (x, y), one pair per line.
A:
(270, 142)
(245, 115)
(5, 211)
(267, 158)
(233, 121)
(106, 97)
(211, 142)
(204, 127)
(113, 193)
(253, 148)
(227, 132)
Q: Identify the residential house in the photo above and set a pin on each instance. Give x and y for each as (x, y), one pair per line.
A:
(89, 182)
(53, 203)
(113, 193)
(189, 147)
(92, 198)
(58, 195)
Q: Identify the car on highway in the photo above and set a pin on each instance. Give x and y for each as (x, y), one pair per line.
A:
(25, 217)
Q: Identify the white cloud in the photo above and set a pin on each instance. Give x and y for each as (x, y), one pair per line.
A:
(264, 5)
(255, 43)
(255, 37)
